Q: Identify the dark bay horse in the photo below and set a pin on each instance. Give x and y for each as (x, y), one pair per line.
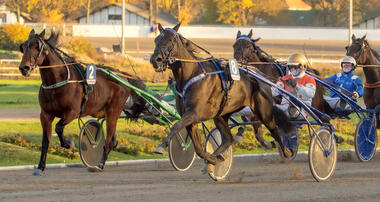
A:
(203, 99)
(246, 50)
(62, 93)
(365, 55)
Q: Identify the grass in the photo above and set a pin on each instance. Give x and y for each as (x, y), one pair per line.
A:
(23, 94)
(136, 141)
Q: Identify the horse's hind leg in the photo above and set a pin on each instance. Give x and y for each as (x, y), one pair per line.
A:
(46, 121)
(259, 134)
(59, 127)
(264, 109)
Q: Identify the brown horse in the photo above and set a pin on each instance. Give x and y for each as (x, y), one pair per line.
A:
(62, 93)
(365, 55)
(246, 50)
(203, 99)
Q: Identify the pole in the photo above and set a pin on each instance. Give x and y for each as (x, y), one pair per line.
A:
(122, 26)
(350, 25)
(179, 9)
(150, 12)
(155, 16)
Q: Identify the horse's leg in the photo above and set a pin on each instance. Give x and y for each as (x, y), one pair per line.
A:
(46, 122)
(227, 139)
(259, 133)
(186, 120)
(60, 126)
(196, 138)
(264, 109)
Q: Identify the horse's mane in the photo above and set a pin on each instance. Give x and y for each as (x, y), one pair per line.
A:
(193, 49)
(264, 56)
(69, 59)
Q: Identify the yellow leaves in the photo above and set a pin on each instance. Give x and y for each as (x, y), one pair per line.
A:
(51, 15)
(15, 33)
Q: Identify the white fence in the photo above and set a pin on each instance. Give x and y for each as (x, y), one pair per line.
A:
(227, 32)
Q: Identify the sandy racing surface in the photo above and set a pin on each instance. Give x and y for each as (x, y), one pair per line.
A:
(249, 181)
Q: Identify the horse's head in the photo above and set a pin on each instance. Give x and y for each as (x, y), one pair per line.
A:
(165, 47)
(35, 51)
(358, 49)
(245, 48)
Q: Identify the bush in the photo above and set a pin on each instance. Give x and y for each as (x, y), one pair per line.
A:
(81, 47)
(11, 36)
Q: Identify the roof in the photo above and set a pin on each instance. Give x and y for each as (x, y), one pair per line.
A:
(163, 17)
(26, 16)
(298, 5)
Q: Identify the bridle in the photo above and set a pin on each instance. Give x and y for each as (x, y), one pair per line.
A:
(167, 54)
(251, 47)
(41, 45)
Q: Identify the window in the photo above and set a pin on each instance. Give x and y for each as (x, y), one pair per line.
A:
(114, 17)
(3, 18)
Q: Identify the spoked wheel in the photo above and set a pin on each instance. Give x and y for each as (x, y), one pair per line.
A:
(91, 143)
(322, 167)
(181, 151)
(365, 140)
(290, 141)
(222, 169)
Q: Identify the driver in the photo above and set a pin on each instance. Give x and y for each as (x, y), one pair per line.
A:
(299, 83)
(347, 80)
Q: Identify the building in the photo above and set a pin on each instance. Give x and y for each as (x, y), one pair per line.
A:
(7, 16)
(370, 23)
(134, 15)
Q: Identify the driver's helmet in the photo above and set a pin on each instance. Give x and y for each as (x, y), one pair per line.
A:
(348, 59)
(298, 62)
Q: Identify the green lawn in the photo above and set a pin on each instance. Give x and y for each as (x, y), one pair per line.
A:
(23, 94)
(20, 141)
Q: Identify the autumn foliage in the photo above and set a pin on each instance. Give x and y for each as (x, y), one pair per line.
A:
(12, 35)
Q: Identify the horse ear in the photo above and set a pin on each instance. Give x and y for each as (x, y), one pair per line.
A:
(177, 26)
(238, 34)
(31, 34)
(250, 34)
(364, 37)
(53, 39)
(160, 27)
(42, 34)
(256, 40)
(353, 37)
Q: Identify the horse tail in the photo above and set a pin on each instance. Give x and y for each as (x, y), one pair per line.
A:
(283, 121)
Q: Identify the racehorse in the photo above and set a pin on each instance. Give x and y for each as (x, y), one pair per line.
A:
(204, 97)
(366, 56)
(246, 51)
(62, 93)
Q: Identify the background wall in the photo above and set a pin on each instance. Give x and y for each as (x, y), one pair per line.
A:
(224, 32)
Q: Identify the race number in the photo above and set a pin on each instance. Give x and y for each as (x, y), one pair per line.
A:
(91, 74)
(234, 69)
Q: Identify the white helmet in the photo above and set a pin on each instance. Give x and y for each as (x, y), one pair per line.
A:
(348, 59)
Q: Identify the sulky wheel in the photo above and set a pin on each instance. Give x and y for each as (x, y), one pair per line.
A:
(365, 140)
(322, 167)
(181, 151)
(222, 169)
(91, 143)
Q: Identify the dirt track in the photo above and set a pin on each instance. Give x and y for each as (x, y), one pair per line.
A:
(249, 181)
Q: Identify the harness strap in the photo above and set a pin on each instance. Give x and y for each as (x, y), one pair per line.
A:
(372, 85)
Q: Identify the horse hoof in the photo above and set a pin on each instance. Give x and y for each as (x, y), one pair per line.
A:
(37, 172)
(207, 168)
(267, 145)
(70, 144)
(159, 150)
(95, 169)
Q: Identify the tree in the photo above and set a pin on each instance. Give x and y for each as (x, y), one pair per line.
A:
(335, 12)
(244, 12)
